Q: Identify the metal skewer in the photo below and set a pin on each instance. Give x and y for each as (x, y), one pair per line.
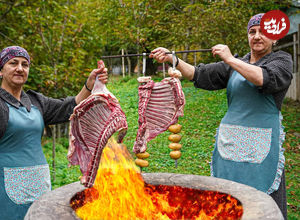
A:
(173, 60)
(147, 54)
(144, 64)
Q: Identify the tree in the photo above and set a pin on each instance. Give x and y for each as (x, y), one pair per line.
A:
(65, 38)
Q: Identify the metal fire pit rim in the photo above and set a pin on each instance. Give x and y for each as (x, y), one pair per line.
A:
(56, 202)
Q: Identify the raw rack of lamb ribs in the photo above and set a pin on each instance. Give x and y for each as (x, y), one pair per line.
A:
(160, 105)
(93, 122)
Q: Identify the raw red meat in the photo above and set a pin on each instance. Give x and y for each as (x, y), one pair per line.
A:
(93, 122)
(160, 105)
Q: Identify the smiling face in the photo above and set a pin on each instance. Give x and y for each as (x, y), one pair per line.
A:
(15, 73)
(258, 42)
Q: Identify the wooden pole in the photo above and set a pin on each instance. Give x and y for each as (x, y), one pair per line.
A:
(295, 52)
(144, 64)
(58, 131)
(164, 70)
(123, 63)
(128, 64)
(298, 48)
(138, 67)
(293, 87)
(298, 65)
(54, 131)
(138, 49)
(53, 152)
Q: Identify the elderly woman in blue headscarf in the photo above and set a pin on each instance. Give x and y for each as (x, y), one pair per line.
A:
(24, 172)
(249, 140)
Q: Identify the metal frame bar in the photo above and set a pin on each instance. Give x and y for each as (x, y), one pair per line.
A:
(147, 54)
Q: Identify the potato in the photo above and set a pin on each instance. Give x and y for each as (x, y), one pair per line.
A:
(175, 154)
(141, 163)
(175, 138)
(175, 146)
(175, 128)
(142, 155)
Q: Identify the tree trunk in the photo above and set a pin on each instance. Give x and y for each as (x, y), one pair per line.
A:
(58, 131)
(129, 63)
(123, 64)
(110, 65)
(188, 33)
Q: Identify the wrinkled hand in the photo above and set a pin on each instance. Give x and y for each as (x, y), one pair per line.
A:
(101, 73)
(223, 51)
(174, 73)
(160, 55)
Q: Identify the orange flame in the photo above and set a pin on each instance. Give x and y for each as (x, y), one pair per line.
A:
(119, 192)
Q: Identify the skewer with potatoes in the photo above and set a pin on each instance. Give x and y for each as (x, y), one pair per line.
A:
(175, 146)
(140, 160)
(175, 139)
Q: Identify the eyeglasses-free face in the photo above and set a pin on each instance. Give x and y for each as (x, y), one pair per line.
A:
(258, 42)
(15, 72)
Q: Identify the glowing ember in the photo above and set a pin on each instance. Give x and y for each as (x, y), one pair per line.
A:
(119, 192)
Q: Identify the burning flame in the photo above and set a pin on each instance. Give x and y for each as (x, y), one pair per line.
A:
(119, 192)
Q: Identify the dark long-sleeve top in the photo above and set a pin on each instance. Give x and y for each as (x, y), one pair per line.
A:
(52, 110)
(277, 75)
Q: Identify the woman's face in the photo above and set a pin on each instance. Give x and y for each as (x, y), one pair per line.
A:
(15, 72)
(258, 42)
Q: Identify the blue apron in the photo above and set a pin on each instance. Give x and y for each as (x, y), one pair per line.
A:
(24, 172)
(249, 138)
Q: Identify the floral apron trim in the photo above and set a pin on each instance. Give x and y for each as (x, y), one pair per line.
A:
(25, 184)
(281, 161)
(244, 144)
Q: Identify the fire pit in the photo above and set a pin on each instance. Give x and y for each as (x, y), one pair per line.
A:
(120, 191)
(256, 204)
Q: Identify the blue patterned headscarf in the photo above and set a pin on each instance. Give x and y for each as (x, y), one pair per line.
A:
(10, 52)
(255, 20)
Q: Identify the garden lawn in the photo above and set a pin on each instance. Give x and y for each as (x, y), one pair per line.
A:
(202, 115)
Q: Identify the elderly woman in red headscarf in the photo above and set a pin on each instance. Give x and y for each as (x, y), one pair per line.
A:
(24, 172)
(249, 140)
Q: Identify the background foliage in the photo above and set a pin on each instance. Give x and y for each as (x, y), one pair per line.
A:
(65, 38)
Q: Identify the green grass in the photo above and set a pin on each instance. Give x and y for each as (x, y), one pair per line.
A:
(202, 115)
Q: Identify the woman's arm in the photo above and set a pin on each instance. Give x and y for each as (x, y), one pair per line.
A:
(186, 69)
(277, 72)
(212, 76)
(59, 110)
(251, 72)
(102, 75)
(4, 114)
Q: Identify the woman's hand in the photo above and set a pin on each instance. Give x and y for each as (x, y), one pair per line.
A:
(102, 75)
(174, 73)
(160, 55)
(183, 69)
(223, 51)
